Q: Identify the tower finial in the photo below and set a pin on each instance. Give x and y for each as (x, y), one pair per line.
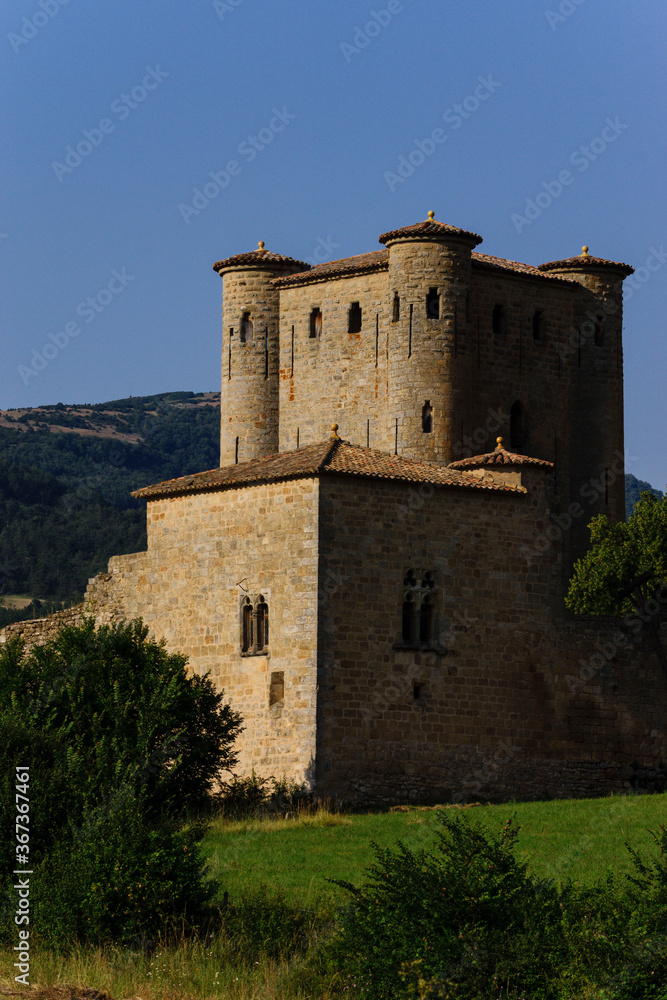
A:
(260, 245)
(584, 251)
(334, 428)
(431, 215)
(499, 444)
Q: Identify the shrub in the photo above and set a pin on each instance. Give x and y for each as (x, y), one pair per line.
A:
(120, 880)
(446, 922)
(128, 712)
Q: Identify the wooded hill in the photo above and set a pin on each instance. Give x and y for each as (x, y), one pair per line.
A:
(66, 474)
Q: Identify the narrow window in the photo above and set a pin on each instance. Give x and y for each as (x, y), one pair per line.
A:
(377, 337)
(396, 436)
(236, 452)
(433, 304)
(368, 433)
(425, 616)
(538, 324)
(419, 692)
(498, 321)
(247, 637)
(277, 689)
(292, 367)
(598, 331)
(262, 624)
(396, 311)
(229, 369)
(316, 322)
(266, 353)
(517, 430)
(410, 333)
(354, 318)
(427, 417)
(246, 328)
(408, 615)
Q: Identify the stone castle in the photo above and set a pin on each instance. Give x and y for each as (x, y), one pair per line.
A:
(413, 442)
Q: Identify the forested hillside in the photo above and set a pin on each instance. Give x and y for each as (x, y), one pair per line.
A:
(66, 474)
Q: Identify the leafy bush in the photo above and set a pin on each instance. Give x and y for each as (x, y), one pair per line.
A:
(128, 712)
(120, 744)
(120, 879)
(445, 923)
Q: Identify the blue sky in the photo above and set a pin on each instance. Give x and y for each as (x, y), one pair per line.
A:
(313, 105)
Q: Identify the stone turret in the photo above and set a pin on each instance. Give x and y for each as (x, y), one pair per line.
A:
(596, 362)
(429, 289)
(250, 353)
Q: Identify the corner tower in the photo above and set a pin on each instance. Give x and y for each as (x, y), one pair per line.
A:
(429, 286)
(250, 353)
(595, 358)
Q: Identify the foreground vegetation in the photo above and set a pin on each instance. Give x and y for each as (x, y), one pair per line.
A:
(549, 912)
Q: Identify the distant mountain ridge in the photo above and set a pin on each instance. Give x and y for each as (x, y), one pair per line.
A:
(66, 474)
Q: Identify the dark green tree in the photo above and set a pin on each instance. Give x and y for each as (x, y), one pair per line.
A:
(625, 570)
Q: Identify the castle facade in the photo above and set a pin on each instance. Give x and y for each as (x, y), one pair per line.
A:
(413, 442)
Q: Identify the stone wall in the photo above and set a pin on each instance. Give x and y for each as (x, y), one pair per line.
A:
(522, 705)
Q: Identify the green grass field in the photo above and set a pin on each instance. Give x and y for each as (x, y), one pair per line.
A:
(578, 838)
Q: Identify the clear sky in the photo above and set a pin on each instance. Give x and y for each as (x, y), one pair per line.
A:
(117, 114)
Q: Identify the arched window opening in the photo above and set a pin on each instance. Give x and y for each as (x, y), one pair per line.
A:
(433, 304)
(247, 637)
(427, 417)
(316, 322)
(354, 318)
(517, 427)
(498, 321)
(425, 617)
(419, 618)
(396, 311)
(538, 324)
(598, 331)
(408, 617)
(262, 624)
(247, 328)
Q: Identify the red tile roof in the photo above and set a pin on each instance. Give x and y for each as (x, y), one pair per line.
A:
(378, 260)
(331, 456)
(363, 263)
(261, 259)
(500, 456)
(427, 231)
(584, 261)
(484, 260)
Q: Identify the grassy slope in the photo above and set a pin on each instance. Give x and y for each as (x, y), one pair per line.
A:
(583, 839)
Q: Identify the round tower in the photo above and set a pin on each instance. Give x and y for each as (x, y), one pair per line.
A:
(595, 358)
(429, 285)
(250, 353)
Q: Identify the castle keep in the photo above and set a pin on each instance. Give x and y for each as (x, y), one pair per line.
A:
(413, 442)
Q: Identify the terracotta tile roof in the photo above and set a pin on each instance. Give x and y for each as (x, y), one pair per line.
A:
(427, 230)
(376, 260)
(484, 260)
(500, 456)
(331, 456)
(584, 261)
(262, 259)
